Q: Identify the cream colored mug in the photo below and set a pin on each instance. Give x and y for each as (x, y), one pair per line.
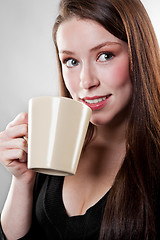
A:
(57, 127)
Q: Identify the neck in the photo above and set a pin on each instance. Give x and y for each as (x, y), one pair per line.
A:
(113, 134)
(105, 153)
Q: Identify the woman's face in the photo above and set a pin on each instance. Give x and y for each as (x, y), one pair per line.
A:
(95, 68)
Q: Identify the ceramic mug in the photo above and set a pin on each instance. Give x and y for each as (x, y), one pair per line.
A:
(57, 127)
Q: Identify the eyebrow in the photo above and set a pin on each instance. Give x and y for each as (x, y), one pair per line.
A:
(99, 46)
(103, 45)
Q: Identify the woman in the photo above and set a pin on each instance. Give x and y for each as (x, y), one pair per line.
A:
(108, 58)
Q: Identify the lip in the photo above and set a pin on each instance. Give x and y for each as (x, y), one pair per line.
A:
(98, 105)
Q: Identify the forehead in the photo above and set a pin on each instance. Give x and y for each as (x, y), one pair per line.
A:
(82, 32)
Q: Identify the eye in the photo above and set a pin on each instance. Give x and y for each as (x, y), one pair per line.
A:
(70, 62)
(104, 57)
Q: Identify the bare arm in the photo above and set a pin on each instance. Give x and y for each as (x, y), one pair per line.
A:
(17, 212)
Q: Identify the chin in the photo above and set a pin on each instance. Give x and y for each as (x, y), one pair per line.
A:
(98, 121)
(102, 119)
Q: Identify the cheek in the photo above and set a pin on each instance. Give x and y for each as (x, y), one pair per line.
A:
(66, 78)
(70, 80)
(120, 74)
(70, 85)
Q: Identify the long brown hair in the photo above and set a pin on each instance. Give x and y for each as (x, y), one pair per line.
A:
(131, 203)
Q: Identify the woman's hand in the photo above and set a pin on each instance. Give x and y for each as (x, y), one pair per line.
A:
(13, 148)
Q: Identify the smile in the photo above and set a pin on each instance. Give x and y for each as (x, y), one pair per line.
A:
(96, 103)
(95, 100)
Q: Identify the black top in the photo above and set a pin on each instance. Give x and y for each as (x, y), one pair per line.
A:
(50, 220)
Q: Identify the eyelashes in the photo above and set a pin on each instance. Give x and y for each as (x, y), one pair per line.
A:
(102, 58)
(105, 57)
(70, 62)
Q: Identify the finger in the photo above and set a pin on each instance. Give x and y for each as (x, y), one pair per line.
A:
(21, 118)
(17, 168)
(17, 131)
(17, 143)
(13, 154)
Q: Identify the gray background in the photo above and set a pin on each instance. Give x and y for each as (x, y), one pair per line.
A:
(27, 58)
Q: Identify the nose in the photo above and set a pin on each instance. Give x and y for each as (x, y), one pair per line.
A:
(88, 77)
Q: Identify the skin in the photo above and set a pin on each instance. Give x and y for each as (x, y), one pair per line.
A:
(96, 66)
(95, 63)
(17, 212)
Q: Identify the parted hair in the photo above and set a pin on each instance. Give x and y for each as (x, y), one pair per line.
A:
(132, 203)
